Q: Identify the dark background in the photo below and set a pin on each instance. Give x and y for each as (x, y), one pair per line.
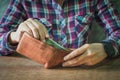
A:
(97, 34)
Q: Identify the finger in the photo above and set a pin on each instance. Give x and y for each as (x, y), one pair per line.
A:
(33, 28)
(44, 32)
(76, 52)
(24, 28)
(36, 25)
(41, 32)
(75, 62)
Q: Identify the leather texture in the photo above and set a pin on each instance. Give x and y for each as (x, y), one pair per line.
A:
(41, 52)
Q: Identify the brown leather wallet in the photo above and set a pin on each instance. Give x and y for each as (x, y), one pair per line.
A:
(40, 51)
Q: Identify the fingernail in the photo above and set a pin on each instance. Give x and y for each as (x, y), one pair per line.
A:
(87, 45)
(64, 64)
(65, 58)
(43, 40)
(47, 36)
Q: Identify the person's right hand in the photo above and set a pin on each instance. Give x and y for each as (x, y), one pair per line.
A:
(33, 27)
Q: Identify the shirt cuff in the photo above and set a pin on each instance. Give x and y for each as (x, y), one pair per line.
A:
(111, 49)
(8, 45)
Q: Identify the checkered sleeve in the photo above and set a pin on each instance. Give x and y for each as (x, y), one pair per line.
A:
(110, 21)
(9, 21)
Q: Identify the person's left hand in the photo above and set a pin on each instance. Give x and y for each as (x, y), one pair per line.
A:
(88, 54)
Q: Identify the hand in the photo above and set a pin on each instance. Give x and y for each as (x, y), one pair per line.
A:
(33, 27)
(88, 54)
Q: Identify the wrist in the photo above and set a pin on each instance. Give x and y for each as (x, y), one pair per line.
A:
(12, 39)
(109, 49)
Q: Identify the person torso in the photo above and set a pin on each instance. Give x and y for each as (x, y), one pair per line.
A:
(68, 24)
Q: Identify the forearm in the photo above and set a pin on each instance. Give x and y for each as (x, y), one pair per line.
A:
(111, 24)
(113, 40)
(5, 47)
(9, 22)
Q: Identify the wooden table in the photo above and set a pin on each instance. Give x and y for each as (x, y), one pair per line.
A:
(21, 68)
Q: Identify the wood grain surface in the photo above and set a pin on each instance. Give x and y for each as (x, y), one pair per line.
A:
(21, 68)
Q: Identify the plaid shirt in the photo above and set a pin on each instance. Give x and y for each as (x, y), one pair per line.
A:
(68, 25)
